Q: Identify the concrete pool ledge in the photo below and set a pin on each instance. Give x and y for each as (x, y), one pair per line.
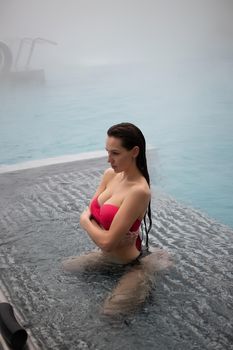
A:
(51, 161)
(6, 168)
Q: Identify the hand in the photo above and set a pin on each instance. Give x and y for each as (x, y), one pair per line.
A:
(85, 217)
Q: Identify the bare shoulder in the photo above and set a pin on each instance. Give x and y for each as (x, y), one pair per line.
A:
(108, 175)
(137, 199)
(141, 192)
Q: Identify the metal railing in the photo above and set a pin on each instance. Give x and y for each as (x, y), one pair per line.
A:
(32, 42)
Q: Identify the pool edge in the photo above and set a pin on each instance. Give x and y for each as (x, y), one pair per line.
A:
(51, 161)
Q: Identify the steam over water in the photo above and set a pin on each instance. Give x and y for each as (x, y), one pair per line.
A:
(184, 109)
(166, 66)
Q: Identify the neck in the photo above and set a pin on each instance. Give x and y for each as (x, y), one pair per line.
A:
(131, 173)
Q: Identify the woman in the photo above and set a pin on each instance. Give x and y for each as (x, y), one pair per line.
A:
(112, 220)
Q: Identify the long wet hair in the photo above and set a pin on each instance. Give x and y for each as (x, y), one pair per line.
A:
(132, 136)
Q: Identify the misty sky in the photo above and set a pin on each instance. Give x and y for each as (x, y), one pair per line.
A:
(105, 31)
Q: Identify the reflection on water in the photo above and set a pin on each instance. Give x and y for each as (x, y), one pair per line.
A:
(190, 306)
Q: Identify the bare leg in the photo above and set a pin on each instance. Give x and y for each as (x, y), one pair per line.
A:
(135, 285)
(88, 262)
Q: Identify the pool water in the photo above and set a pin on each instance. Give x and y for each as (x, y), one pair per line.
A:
(185, 110)
(190, 306)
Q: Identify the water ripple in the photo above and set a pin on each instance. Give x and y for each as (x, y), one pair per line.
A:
(190, 306)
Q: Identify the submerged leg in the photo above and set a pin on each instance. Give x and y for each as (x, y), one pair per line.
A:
(135, 285)
(87, 262)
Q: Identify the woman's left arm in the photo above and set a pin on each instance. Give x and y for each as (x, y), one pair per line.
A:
(132, 208)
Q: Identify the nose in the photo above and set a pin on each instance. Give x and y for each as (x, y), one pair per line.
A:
(110, 158)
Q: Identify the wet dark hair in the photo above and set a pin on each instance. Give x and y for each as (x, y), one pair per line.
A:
(132, 136)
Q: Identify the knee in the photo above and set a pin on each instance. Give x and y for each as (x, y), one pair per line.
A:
(65, 264)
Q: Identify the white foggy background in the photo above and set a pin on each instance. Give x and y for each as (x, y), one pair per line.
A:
(165, 65)
(118, 31)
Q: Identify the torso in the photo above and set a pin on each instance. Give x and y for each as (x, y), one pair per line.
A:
(104, 207)
(104, 214)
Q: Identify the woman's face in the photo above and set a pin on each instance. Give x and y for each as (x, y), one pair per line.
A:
(119, 157)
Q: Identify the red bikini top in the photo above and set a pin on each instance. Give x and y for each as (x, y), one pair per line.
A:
(105, 213)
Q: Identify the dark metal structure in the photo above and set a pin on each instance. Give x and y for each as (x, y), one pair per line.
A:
(17, 74)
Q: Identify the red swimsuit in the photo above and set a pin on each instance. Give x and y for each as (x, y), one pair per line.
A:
(104, 215)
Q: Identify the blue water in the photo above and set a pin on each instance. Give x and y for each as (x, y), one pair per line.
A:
(185, 110)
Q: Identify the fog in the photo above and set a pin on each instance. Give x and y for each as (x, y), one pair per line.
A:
(116, 31)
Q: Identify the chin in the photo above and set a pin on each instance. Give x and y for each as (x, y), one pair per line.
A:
(116, 170)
